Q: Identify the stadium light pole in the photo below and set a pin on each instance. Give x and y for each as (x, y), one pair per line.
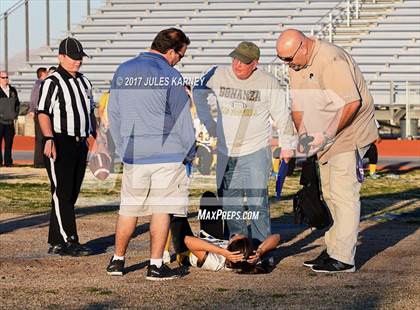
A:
(6, 57)
(27, 30)
(68, 15)
(47, 17)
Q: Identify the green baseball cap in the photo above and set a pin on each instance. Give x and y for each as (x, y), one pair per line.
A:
(246, 52)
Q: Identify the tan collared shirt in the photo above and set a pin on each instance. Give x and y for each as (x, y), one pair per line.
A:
(331, 80)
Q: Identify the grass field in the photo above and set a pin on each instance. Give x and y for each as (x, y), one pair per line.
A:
(387, 254)
(31, 193)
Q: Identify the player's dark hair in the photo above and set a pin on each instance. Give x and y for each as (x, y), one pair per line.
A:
(243, 245)
(171, 38)
(39, 71)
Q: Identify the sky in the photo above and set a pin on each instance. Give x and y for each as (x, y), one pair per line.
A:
(37, 24)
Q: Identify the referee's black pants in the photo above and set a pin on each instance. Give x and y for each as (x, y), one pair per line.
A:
(39, 150)
(66, 175)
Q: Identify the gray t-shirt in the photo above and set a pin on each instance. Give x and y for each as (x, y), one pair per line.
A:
(244, 109)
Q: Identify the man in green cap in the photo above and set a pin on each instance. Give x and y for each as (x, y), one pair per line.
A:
(247, 97)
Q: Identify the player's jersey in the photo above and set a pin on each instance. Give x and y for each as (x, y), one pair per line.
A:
(213, 262)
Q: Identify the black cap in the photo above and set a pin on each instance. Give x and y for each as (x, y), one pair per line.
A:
(72, 48)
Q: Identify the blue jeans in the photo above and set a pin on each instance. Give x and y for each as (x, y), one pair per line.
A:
(242, 176)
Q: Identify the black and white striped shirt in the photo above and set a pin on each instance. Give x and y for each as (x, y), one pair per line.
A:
(68, 101)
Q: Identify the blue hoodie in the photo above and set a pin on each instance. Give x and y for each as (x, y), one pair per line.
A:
(149, 112)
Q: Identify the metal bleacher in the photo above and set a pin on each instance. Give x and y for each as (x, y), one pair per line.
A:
(384, 39)
(123, 28)
(388, 52)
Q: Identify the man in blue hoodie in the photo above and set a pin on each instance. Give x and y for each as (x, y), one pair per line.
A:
(151, 124)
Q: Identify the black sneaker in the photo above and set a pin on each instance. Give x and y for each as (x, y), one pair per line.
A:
(160, 274)
(76, 249)
(56, 249)
(317, 261)
(332, 265)
(115, 267)
(183, 259)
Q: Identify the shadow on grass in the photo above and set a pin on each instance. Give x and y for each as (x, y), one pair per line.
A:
(377, 238)
(412, 193)
(101, 245)
(113, 304)
(16, 176)
(374, 239)
(136, 267)
(400, 168)
(42, 219)
(283, 225)
(182, 271)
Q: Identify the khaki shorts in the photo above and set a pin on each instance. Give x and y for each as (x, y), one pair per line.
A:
(154, 188)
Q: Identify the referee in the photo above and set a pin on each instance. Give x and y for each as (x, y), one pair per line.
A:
(65, 113)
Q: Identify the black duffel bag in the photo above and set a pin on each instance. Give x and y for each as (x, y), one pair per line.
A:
(308, 205)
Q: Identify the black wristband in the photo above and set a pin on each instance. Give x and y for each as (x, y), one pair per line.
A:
(45, 139)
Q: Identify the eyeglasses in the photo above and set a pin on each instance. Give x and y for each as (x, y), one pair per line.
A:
(179, 55)
(4, 77)
(290, 58)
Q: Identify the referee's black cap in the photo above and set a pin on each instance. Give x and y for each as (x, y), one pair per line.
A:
(72, 48)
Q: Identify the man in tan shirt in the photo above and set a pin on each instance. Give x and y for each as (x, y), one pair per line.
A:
(331, 103)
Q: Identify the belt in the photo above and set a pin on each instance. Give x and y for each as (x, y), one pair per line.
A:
(76, 138)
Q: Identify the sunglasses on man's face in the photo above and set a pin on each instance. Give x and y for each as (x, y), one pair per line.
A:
(179, 55)
(4, 77)
(290, 58)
